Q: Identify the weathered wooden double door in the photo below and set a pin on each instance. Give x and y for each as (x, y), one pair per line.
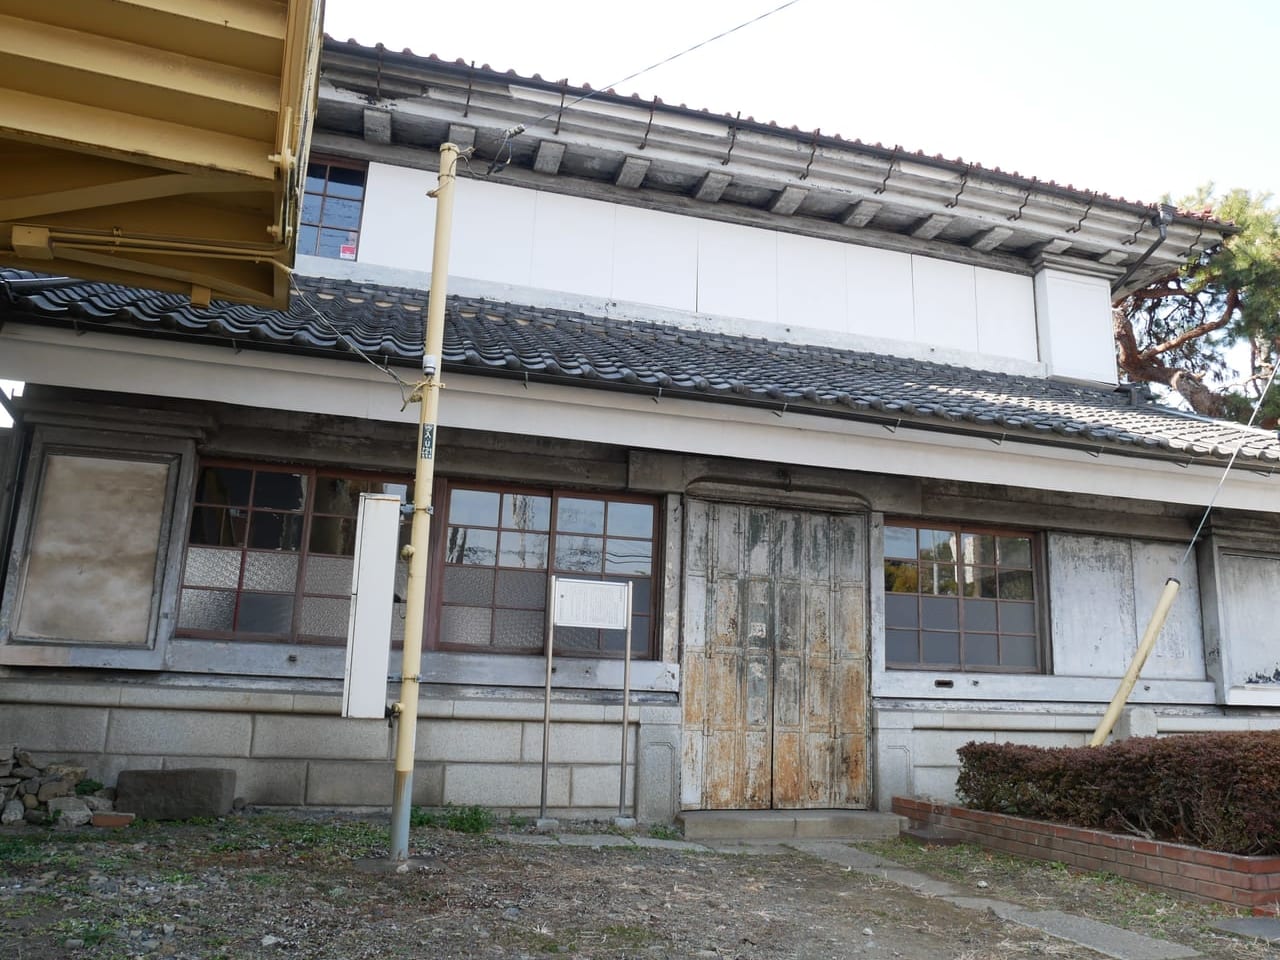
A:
(774, 676)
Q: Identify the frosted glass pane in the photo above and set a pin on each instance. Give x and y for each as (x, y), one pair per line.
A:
(265, 613)
(271, 571)
(628, 556)
(1018, 617)
(518, 629)
(520, 589)
(469, 625)
(981, 650)
(467, 545)
(212, 568)
(631, 519)
(325, 616)
(469, 585)
(580, 554)
(901, 646)
(980, 615)
(329, 575)
(206, 610)
(901, 610)
(940, 648)
(576, 638)
(524, 511)
(518, 549)
(940, 614)
(1019, 652)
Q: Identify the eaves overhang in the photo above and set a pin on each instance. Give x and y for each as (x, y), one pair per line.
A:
(376, 103)
(159, 145)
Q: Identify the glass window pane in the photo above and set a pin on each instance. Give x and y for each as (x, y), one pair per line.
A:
(978, 548)
(628, 556)
(311, 208)
(580, 554)
(275, 531)
(340, 213)
(1017, 618)
(265, 613)
(1015, 551)
(1019, 652)
(467, 625)
(517, 588)
(308, 240)
(280, 491)
(518, 629)
(206, 610)
(939, 578)
(614, 641)
(940, 649)
(215, 527)
(937, 545)
(900, 542)
(579, 516)
(528, 550)
(224, 485)
(980, 582)
(901, 577)
(345, 182)
(902, 646)
(469, 585)
(1015, 585)
(212, 568)
(333, 535)
(525, 511)
(317, 173)
(331, 242)
(980, 615)
(937, 613)
(981, 650)
(325, 616)
(271, 571)
(467, 545)
(329, 575)
(341, 495)
(641, 593)
(476, 507)
(631, 519)
(901, 611)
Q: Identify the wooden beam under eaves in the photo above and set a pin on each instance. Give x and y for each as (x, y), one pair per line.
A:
(377, 125)
(632, 173)
(931, 226)
(547, 160)
(861, 213)
(788, 201)
(712, 187)
(462, 136)
(988, 240)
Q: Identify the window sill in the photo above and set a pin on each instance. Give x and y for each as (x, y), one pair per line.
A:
(923, 685)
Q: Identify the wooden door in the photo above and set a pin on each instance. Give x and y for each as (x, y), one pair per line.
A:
(774, 677)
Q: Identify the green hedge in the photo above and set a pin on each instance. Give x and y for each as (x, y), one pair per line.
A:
(1220, 791)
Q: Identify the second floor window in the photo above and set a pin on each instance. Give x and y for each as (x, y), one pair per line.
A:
(331, 208)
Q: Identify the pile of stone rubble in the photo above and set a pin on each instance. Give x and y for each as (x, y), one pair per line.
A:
(49, 793)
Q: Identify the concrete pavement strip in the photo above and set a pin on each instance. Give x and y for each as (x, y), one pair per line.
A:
(1261, 928)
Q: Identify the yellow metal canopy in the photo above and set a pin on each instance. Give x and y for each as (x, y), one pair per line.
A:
(157, 143)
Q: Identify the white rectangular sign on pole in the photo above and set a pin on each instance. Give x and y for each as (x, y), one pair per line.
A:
(591, 603)
(373, 580)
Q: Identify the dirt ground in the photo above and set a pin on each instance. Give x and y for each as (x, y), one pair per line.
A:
(272, 885)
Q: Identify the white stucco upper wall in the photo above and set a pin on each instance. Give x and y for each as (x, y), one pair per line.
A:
(776, 284)
(1075, 331)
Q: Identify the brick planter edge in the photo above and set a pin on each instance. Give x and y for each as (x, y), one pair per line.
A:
(1248, 883)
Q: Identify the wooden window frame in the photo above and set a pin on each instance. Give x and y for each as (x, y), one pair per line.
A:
(308, 513)
(444, 486)
(329, 163)
(1038, 570)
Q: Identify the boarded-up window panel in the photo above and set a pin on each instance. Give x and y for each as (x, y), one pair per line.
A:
(91, 565)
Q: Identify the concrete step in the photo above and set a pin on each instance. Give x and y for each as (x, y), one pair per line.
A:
(703, 825)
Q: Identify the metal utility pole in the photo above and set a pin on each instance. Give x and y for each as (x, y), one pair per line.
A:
(427, 394)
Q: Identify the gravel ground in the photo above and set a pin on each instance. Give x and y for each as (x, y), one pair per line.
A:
(274, 885)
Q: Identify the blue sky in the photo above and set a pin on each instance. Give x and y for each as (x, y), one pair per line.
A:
(1134, 98)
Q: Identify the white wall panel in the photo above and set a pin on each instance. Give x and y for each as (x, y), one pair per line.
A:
(1179, 651)
(492, 232)
(1074, 317)
(1006, 314)
(573, 245)
(1091, 605)
(1249, 588)
(946, 303)
(398, 218)
(811, 283)
(655, 258)
(878, 291)
(737, 271)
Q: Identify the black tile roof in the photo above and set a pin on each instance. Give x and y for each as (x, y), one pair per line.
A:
(536, 343)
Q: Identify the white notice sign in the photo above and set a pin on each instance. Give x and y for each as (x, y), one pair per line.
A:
(591, 603)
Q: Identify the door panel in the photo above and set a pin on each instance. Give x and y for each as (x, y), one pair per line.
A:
(775, 699)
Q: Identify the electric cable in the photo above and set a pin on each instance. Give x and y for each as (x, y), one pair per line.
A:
(515, 131)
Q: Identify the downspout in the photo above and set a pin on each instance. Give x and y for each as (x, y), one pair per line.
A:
(1162, 218)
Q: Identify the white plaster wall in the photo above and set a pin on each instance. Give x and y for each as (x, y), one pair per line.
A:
(1074, 317)
(1249, 588)
(808, 289)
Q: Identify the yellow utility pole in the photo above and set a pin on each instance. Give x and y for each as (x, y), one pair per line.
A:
(427, 394)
